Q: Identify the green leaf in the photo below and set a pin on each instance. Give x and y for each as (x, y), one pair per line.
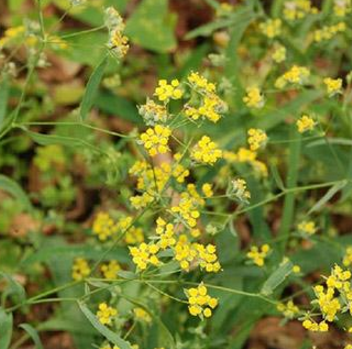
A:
(10, 186)
(119, 106)
(6, 322)
(13, 288)
(328, 195)
(277, 277)
(4, 96)
(108, 334)
(69, 252)
(152, 27)
(92, 88)
(33, 334)
(239, 18)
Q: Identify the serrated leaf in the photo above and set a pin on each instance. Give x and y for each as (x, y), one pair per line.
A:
(6, 322)
(10, 186)
(92, 88)
(33, 334)
(103, 330)
(328, 195)
(277, 278)
(152, 27)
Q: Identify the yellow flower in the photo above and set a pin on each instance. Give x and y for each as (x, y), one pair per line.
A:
(305, 123)
(206, 151)
(253, 98)
(333, 86)
(153, 113)
(155, 140)
(239, 190)
(200, 303)
(342, 7)
(258, 255)
(104, 226)
(279, 54)
(166, 233)
(105, 314)
(347, 259)
(296, 269)
(296, 75)
(142, 315)
(271, 28)
(307, 227)
(145, 254)
(315, 327)
(298, 9)
(200, 83)
(256, 139)
(327, 32)
(80, 269)
(207, 190)
(110, 270)
(166, 91)
(289, 310)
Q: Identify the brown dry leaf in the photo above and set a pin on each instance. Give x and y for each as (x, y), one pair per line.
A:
(22, 224)
(269, 333)
(60, 69)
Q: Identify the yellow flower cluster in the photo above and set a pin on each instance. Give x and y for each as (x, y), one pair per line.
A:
(244, 155)
(210, 106)
(258, 255)
(210, 109)
(80, 269)
(239, 190)
(296, 75)
(314, 326)
(253, 98)
(271, 28)
(118, 43)
(333, 299)
(155, 140)
(307, 227)
(298, 9)
(305, 123)
(12, 33)
(200, 303)
(333, 86)
(192, 254)
(152, 180)
(206, 151)
(200, 83)
(164, 92)
(166, 232)
(279, 54)
(104, 226)
(289, 310)
(142, 315)
(347, 258)
(342, 7)
(132, 235)
(144, 255)
(329, 31)
(187, 209)
(110, 270)
(153, 113)
(256, 139)
(105, 314)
